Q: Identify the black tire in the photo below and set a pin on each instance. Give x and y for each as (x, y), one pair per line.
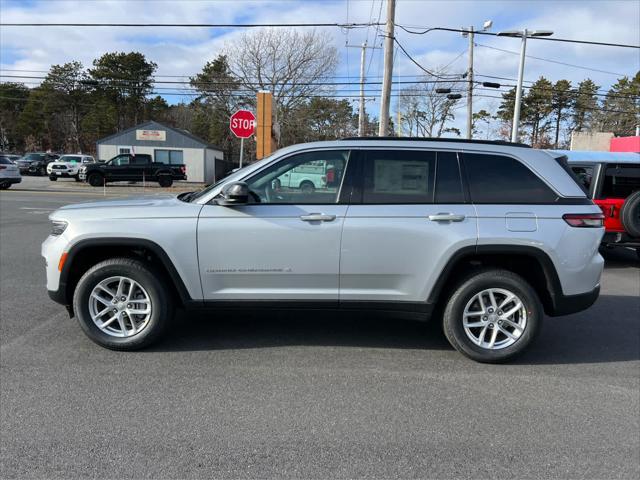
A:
(630, 214)
(95, 179)
(474, 284)
(4, 186)
(307, 187)
(165, 181)
(76, 178)
(42, 171)
(53, 178)
(150, 280)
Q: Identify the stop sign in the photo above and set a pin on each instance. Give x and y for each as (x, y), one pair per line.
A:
(242, 123)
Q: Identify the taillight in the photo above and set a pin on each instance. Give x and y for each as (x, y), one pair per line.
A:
(183, 169)
(584, 220)
(2, 167)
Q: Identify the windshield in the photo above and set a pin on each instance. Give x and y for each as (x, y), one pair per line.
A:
(230, 178)
(69, 158)
(33, 156)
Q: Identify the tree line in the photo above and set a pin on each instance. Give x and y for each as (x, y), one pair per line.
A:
(73, 106)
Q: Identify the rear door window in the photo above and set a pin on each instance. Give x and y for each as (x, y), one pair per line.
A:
(497, 179)
(398, 176)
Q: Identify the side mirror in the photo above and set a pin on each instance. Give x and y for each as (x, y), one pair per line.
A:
(236, 193)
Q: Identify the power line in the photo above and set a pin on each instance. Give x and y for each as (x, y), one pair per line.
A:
(549, 39)
(423, 68)
(189, 25)
(553, 61)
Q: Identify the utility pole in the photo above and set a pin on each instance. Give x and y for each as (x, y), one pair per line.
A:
(385, 101)
(524, 34)
(516, 109)
(363, 57)
(361, 110)
(470, 86)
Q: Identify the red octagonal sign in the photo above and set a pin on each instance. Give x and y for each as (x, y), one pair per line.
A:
(242, 123)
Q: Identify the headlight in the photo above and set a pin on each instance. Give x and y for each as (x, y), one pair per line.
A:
(57, 227)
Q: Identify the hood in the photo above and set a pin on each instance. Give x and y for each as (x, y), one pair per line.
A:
(150, 206)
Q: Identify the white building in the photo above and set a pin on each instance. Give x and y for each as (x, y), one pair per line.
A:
(204, 162)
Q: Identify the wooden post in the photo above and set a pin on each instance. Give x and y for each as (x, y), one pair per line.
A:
(264, 123)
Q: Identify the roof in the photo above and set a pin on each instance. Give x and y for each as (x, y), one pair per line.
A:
(153, 125)
(576, 156)
(444, 139)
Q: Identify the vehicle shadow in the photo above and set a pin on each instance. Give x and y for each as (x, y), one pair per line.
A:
(607, 332)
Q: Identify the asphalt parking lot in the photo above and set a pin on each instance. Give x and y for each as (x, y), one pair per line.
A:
(307, 396)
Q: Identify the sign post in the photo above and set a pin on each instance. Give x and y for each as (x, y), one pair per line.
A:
(242, 125)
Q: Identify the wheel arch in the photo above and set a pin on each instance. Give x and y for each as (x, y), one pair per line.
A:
(88, 252)
(532, 263)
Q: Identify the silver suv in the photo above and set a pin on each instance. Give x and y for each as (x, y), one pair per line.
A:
(485, 236)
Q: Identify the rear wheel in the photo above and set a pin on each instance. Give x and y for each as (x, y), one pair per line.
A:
(630, 214)
(122, 304)
(492, 316)
(4, 186)
(165, 181)
(95, 180)
(42, 171)
(307, 187)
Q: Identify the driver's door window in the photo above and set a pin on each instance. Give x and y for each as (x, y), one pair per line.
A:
(305, 178)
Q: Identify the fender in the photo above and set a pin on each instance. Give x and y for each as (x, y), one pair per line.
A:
(553, 285)
(61, 295)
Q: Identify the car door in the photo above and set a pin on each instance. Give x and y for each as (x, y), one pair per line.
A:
(412, 214)
(285, 245)
(116, 169)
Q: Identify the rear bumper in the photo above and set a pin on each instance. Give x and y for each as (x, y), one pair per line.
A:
(620, 239)
(10, 180)
(567, 304)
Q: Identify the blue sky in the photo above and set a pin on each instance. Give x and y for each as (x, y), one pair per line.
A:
(184, 51)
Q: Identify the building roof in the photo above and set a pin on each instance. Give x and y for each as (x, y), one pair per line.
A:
(153, 125)
(599, 157)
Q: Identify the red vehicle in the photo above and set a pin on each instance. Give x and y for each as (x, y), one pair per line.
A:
(613, 182)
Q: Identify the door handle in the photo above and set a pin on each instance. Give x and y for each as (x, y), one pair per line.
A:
(446, 217)
(317, 217)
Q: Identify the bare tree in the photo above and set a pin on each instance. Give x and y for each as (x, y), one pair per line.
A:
(424, 111)
(288, 63)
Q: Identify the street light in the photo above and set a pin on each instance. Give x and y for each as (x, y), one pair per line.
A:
(524, 34)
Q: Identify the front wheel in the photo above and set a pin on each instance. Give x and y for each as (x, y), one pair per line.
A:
(95, 180)
(122, 304)
(53, 178)
(42, 171)
(492, 316)
(76, 177)
(307, 187)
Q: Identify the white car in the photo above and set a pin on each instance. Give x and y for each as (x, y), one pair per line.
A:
(485, 237)
(68, 166)
(9, 173)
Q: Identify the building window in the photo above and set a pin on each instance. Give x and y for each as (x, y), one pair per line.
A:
(124, 150)
(169, 157)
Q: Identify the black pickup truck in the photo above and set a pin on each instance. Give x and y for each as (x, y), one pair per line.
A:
(132, 168)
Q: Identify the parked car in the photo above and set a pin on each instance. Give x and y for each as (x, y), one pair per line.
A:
(36, 163)
(12, 157)
(9, 173)
(485, 236)
(612, 180)
(132, 168)
(68, 166)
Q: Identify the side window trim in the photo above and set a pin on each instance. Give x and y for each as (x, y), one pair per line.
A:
(461, 175)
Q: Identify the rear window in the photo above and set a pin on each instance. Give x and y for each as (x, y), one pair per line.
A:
(5, 161)
(620, 181)
(496, 179)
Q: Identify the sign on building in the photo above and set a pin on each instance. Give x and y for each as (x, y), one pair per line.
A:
(154, 135)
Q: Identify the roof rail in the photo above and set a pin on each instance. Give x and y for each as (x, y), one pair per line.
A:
(444, 139)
